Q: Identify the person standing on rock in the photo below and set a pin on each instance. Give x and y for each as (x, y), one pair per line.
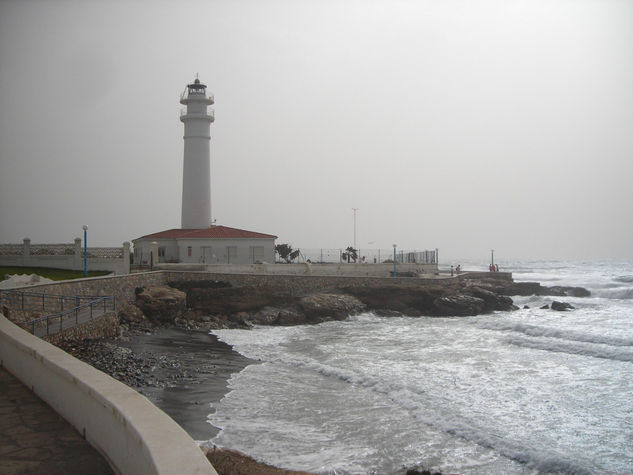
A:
(451, 271)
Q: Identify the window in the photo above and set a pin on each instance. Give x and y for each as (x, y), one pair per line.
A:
(231, 254)
(257, 254)
(188, 251)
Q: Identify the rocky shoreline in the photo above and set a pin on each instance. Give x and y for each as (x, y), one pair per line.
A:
(215, 304)
(164, 349)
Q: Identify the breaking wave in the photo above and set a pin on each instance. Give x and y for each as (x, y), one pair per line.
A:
(617, 353)
(570, 335)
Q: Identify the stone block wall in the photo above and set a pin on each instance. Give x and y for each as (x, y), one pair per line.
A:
(104, 326)
(302, 284)
(121, 287)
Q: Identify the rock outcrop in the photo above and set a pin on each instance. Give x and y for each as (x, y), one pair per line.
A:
(161, 304)
(219, 304)
(458, 306)
(561, 306)
(326, 306)
(534, 288)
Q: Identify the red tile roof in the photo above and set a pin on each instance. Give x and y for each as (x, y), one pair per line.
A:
(213, 232)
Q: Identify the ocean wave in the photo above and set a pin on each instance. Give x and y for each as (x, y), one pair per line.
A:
(569, 335)
(425, 409)
(624, 278)
(621, 293)
(587, 349)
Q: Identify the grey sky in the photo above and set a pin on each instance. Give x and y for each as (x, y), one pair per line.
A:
(462, 125)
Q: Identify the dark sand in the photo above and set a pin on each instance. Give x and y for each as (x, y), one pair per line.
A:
(207, 363)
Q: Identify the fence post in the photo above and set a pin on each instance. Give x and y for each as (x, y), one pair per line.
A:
(90, 310)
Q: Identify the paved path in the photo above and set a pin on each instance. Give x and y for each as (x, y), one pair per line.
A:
(34, 439)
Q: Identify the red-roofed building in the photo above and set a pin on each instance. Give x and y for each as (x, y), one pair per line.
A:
(212, 245)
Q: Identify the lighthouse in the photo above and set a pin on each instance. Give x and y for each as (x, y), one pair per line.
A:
(196, 173)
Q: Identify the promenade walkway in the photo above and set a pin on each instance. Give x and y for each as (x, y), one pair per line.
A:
(34, 439)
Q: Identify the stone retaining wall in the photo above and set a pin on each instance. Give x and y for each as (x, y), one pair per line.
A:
(121, 287)
(302, 284)
(104, 326)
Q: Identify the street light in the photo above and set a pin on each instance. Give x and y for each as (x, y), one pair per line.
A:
(492, 257)
(395, 273)
(355, 209)
(85, 227)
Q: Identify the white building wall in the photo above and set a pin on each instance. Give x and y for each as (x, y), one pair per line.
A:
(207, 251)
(226, 251)
(168, 247)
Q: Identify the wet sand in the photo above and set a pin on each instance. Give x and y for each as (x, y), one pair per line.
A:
(207, 365)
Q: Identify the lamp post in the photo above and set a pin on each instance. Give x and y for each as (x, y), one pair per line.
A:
(437, 257)
(85, 228)
(395, 273)
(355, 209)
(492, 257)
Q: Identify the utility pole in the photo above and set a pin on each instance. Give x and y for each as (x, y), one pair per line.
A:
(355, 209)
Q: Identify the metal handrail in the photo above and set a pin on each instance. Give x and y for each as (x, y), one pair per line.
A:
(76, 310)
(39, 294)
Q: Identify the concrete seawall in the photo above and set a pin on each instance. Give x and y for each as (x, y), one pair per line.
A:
(129, 431)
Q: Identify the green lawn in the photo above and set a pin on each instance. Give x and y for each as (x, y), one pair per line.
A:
(53, 274)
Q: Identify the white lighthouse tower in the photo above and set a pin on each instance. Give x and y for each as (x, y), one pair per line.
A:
(196, 176)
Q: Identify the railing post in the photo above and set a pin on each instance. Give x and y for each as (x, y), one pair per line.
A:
(90, 310)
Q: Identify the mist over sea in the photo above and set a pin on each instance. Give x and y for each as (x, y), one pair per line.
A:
(529, 391)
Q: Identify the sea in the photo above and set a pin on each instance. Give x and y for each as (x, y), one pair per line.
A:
(521, 392)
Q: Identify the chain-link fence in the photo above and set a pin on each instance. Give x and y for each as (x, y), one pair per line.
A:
(368, 256)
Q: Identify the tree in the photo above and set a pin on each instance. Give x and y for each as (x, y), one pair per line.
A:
(286, 252)
(350, 254)
(294, 254)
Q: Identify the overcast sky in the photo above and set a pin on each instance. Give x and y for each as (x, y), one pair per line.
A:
(461, 125)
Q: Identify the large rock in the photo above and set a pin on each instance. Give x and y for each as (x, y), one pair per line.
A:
(534, 288)
(161, 304)
(323, 307)
(492, 300)
(561, 291)
(411, 301)
(278, 316)
(459, 305)
(129, 313)
(561, 306)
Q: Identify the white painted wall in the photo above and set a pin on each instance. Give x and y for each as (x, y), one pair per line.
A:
(428, 271)
(119, 266)
(196, 180)
(142, 251)
(210, 251)
(216, 251)
(134, 435)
